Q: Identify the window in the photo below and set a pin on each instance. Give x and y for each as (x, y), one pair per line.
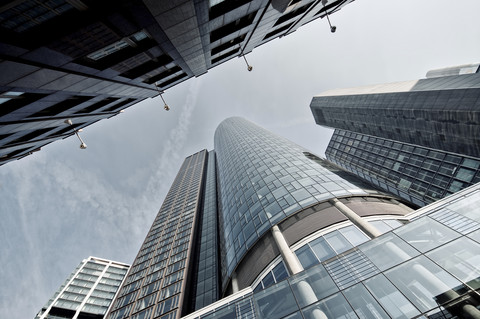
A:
(117, 46)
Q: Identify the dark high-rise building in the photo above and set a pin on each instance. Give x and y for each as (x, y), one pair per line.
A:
(440, 112)
(87, 292)
(417, 139)
(250, 214)
(418, 174)
(65, 64)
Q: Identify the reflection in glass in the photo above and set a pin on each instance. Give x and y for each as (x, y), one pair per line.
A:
(390, 298)
(306, 256)
(354, 235)
(468, 206)
(387, 251)
(332, 307)
(363, 303)
(424, 283)
(425, 234)
(461, 258)
(312, 285)
(338, 242)
(275, 302)
(322, 249)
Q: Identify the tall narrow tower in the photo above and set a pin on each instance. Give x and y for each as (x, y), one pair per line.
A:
(235, 218)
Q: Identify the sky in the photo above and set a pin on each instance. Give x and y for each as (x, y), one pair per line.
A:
(63, 204)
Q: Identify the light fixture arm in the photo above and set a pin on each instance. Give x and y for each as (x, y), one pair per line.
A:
(249, 67)
(165, 106)
(332, 27)
(82, 145)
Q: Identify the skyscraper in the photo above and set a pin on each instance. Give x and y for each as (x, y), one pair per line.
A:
(418, 174)
(87, 292)
(248, 215)
(439, 112)
(86, 60)
(416, 139)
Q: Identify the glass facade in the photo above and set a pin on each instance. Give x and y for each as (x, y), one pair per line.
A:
(417, 174)
(440, 113)
(156, 283)
(207, 280)
(391, 276)
(264, 179)
(87, 292)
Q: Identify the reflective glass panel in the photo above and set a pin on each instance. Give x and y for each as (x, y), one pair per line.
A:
(424, 283)
(338, 242)
(322, 249)
(461, 258)
(354, 235)
(332, 307)
(363, 303)
(275, 302)
(387, 251)
(390, 298)
(468, 206)
(312, 285)
(306, 256)
(425, 234)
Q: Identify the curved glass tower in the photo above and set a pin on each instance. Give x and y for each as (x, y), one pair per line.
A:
(264, 179)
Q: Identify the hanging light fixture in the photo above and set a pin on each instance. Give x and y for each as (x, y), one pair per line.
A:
(332, 27)
(82, 145)
(165, 106)
(249, 67)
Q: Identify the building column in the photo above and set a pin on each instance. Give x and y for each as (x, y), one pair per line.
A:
(368, 229)
(235, 287)
(294, 266)
(291, 261)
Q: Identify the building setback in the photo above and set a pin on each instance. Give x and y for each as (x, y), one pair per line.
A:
(440, 112)
(248, 215)
(87, 292)
(65, 64)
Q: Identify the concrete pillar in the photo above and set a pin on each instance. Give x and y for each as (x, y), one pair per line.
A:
(368, 229)
(306, 294)
(291, 261)
(235, 287)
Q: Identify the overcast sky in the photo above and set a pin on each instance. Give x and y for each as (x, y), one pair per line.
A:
(63, 204)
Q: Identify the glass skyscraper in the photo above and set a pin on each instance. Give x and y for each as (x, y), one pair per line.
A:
(418, 140)
(254, 212)
(87, 292)
(417, 174)
(440, 112)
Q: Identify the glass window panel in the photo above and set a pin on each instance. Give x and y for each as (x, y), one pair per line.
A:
(461, 258)
(306, 256)
(392, 223)
(380, 225)
(475, 235)
(468, 206)
(275, 302)
(333, 307)
(268, 280)
(363, 302)
(338, 242)
(387, 251)
(425, 234)
(312, 285)
(425, 284)
(390, 298)
(280, 272)
(322, 249)
(354, 235)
